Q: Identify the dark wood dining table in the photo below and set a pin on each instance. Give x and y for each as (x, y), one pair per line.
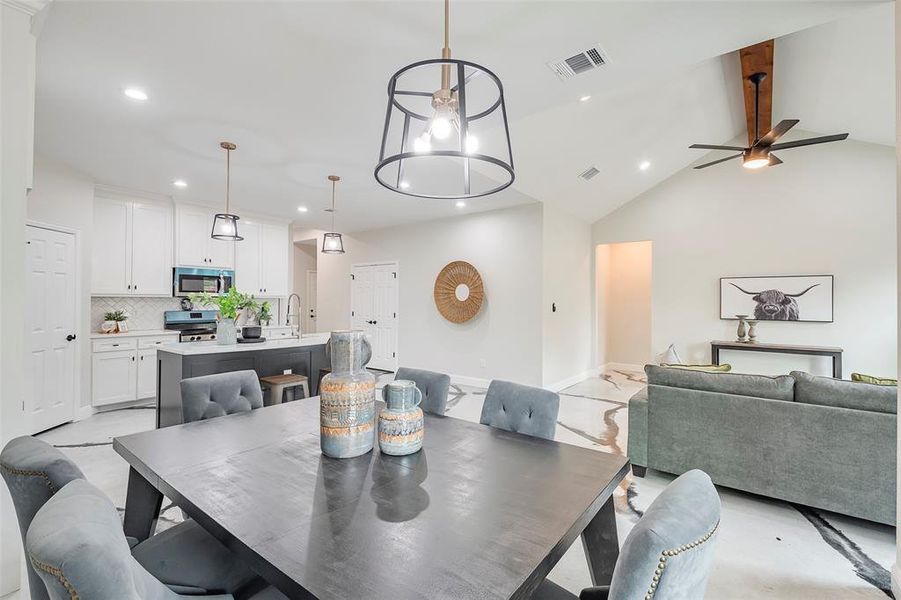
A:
(477, 513)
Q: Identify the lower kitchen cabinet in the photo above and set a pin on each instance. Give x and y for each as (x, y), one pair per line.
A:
(147, 369)
(124, 369)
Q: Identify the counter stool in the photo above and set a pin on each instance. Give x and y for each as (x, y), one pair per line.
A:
(277, 384)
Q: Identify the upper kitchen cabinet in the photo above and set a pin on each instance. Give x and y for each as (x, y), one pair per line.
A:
(194, 246)
(132, 248)
(261, 259)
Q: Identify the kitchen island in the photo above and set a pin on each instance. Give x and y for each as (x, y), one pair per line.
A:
(177, 361)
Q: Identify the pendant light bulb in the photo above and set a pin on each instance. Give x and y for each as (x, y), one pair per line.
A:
(423, 143)
(441, 126)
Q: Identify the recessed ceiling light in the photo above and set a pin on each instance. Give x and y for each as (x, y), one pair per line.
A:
(302, 209)
(404, 184)
(461, 204)
(136, 94)
(644, 165)
(585, 98)
(180, 183)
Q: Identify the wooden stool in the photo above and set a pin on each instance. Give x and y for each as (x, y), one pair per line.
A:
(277, 384)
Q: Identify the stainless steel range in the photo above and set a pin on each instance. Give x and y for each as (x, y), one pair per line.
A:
(192, 325)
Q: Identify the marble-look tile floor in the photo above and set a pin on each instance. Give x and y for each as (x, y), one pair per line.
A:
(766, 548)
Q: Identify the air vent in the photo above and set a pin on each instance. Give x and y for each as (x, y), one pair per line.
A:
(582, 62)
(588, 173)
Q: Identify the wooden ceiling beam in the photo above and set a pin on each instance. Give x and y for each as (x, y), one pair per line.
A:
(758, 59)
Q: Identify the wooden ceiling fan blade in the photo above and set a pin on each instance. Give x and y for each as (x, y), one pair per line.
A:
(810, 141)
(716, 162)
(716, 147)
(776, 132)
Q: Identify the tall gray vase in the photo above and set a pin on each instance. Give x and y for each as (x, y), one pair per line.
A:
(347, 397)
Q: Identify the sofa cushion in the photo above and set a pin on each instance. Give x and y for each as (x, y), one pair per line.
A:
(826, 391)
(757, 386)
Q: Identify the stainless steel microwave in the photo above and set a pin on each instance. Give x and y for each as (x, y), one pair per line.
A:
(195, 281)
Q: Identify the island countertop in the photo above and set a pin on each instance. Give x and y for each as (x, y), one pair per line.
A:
(203, 348)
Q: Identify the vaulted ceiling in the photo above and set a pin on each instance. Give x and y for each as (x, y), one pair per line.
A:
(300, 87)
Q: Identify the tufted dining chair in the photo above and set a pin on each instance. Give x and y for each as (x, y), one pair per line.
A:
(434, 387)
(668, 554)
(521, 409)
(221, 394)
(184, 556)
(76, 546)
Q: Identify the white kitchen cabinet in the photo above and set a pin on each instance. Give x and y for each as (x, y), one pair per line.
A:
(147, 365)
(194, 246)
(247, 260)
(261, 260)
(132, 248)
(114, 376)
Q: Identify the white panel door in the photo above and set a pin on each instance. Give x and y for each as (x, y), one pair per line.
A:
(193, 228)
(114, 377)
(310, 316)
(374, 310)
(247, 260)
(50, 326)
(111, 247)
(147, 366)
(151, 262)
(274, 267)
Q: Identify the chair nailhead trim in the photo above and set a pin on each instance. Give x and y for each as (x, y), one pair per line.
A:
(23, 472)
(658, 572)
(73, 595)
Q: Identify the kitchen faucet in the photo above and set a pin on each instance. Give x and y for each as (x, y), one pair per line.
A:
(288, 314)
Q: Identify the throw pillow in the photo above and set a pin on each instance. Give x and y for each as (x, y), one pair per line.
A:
(724, 368)
(861, 378)
(669, 356)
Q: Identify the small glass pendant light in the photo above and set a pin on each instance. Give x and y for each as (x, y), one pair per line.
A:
(225, 225)
(331, 241)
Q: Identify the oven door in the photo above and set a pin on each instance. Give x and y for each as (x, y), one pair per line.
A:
(199, 281)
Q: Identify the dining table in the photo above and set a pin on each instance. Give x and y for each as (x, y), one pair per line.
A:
(477, 513)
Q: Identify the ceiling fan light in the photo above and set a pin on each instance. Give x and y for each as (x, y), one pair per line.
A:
(755, 162)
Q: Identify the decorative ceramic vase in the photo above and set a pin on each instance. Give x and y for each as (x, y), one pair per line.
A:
(401, 423)
(752, 331)
(347, 397)
(742, 328)
(226, 332)
(109, 327)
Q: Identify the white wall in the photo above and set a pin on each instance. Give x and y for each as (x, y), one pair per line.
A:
(305, 257)
(623, 278)
(568, 333)
(829, 209)
(65, 198)
(504, 245)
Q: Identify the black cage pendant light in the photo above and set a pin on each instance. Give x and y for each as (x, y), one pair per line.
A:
(331, 241)
(225, 225)
(452, 142)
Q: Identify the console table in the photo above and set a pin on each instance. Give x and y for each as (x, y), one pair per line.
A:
(832, 352)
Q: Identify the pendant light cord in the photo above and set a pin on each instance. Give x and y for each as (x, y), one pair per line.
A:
(333, 204)
(447, 26)
(228, 178)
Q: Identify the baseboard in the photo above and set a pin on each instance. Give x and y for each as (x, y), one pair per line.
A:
(570, 381)
(470, 381)
(84, 412)
(896, 581)
(615, 366)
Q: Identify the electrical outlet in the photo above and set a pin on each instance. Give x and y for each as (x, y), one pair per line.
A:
(287, 372)
(483, 363)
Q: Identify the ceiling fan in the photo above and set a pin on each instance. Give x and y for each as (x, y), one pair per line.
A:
(758, 153)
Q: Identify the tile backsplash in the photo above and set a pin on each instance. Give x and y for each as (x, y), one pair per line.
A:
(143, 313)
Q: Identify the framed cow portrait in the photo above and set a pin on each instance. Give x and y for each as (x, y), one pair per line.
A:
(778, 298)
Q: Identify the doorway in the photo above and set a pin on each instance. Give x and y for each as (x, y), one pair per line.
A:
(374, 309)
(305, 283)
(624, 278)
(50, 327)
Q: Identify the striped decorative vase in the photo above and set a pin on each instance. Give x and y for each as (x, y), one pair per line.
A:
(347, 397)
(401, 423)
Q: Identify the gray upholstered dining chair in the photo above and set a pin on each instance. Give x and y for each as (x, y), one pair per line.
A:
(221, 394)
(184, 556)
(76, 545)
(434, 388)
(668, 553)
(521, 409)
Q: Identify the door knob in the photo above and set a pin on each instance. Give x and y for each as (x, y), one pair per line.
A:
(70, 337)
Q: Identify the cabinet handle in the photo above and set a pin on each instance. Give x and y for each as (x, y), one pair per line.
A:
(142, 357)
(115, 345)
(132, 359)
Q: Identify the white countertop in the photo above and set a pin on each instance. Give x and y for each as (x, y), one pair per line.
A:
(135, 333)
(200, 348)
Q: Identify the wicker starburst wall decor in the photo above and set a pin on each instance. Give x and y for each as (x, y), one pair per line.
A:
(459, 292)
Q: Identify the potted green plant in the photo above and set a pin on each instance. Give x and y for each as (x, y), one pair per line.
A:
(114, 322)
(228, 305)
(264, 314)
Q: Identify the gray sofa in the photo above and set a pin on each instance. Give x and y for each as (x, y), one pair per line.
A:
(811, 440)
